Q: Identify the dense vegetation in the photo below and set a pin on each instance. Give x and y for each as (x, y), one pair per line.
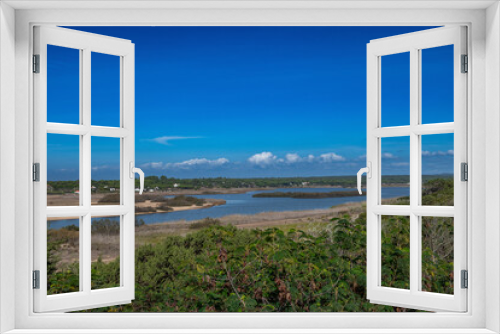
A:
(163, 182)
(306, 195)
(224, 269)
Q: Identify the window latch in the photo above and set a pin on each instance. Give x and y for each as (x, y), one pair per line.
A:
(368, 171)
(139, 171)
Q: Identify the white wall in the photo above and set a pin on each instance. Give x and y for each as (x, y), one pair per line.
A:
(7, 160)
(479, 123)
(492, 164)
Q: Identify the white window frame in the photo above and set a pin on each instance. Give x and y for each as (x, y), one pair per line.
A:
(483, 101)
(414, 43)
(86, 44)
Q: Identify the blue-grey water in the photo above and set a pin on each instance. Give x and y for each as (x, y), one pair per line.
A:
(245, 204)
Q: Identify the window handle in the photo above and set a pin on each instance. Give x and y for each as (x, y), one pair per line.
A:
(368, 171)
(139, 171)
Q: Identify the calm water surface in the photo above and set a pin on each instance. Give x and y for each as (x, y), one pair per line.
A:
(245, 204)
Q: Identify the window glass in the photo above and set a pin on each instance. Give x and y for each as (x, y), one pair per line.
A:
(396, 251)
(437, 254)
(63, 170)
(395, 90)
(105, 90)
(437, 84)
(395, 170)
(63, 255)
(437, 169)
(63, 85)
(106, 171)
(106, 252)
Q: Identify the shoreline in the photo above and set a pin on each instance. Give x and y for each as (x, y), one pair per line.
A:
(269, 217)
(210, 203)
(226, 191)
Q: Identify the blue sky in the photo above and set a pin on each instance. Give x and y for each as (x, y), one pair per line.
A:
(249, 102)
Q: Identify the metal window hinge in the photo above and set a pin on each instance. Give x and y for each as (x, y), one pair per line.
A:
(36, 63)
(36, 172)
(465, 64)
(464, 169)
(36, 279)
(465, 279)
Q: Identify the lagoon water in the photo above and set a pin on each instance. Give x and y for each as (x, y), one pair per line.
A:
(245, 204)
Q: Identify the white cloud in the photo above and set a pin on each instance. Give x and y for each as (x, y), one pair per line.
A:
(165, 140)
(310, 158)
(292, 158)
(331, 157)
(154, 165)
(437, 153)
(96, 168)
(186, 164)
(267, 158)
(400, 164)
(295, 158)
(388, 155)
(200, 161)
(263, 159)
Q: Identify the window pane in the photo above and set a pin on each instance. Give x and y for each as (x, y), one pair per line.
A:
(63, 85)
(396, 252)
(63, 170)
(437, 254)
(63, 255)
(105, 90)
(395, 170)
(395, 91)
(105, 171)
(437, 85)
(437, 169)
(105, 252)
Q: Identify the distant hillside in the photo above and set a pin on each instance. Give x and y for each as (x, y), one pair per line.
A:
(163, 182)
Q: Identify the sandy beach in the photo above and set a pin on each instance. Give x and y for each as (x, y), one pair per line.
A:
(73, 200)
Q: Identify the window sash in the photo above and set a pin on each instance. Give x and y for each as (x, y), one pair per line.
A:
(413, 43)
(87, 43)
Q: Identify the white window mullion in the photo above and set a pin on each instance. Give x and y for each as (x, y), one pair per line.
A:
(373, 183)
(86, 251)
(415, 256)
(127, 119)
(86, 179)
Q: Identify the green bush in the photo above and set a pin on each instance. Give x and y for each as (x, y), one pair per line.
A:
(204, 223)
(225, 269)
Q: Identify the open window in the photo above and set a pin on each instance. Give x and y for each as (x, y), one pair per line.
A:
(98, 131)
(412, 122)
(88, 136)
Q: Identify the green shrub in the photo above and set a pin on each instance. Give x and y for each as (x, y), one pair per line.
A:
(225, 269)
(204, 223)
